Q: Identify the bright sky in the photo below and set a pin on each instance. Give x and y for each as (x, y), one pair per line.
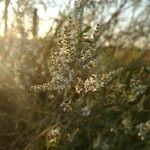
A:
(46, 16)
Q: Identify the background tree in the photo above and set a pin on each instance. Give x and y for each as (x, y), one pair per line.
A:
(7, 2)
(35, 22)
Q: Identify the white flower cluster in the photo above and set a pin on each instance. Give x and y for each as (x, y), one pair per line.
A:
(79, 85)
(86, 111)
(91, 84)
(136, 89)
(108, 77)
(144, 129)
(52, 136)
(67, 59)
(94, 81)
(60, 62)
(69, 62)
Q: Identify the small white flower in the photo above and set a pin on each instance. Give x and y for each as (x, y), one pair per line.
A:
(86, 111)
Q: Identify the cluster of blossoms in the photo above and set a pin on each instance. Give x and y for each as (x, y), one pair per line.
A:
(52, 137)
(74, 65)
(86, 111)
(94, 82)
(136, 89)
(144, 129)
(61, 60)
(89, 84)
(107, 78)
(69, 58)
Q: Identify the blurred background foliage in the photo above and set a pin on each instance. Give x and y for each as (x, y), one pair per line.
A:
(105, 105)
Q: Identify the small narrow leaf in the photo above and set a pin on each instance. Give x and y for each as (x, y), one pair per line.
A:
(86, 29)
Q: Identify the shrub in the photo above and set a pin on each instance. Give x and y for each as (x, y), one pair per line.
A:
(97, 110)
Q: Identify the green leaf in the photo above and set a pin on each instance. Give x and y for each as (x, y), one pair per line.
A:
(87, 40)
(81, 34)
(86, 29)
